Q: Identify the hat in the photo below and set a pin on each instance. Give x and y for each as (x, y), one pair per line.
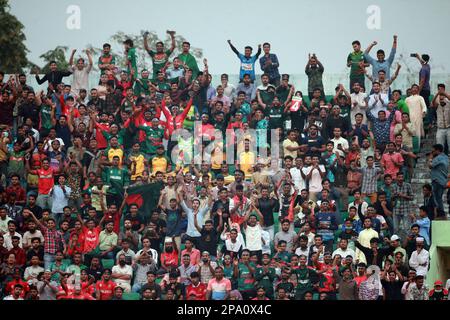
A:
(395, 237)
(168, 240)
(219, 177)
(336, 107)
(438, 283)
(420, 239)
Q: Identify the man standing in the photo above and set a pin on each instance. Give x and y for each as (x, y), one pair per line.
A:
(442, 105)
(420, 258)
(417, 110)
(402, 197)
(247, 61)
(188, 59)
(80, 72)
(159, 57)
(357, 62)
(438, 163)
(381, 63)
(314, 70)
(269, 65)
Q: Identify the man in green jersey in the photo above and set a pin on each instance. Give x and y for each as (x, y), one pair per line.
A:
(159, 57)
(357, 62)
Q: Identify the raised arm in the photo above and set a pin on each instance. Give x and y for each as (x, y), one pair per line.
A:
(233, 48)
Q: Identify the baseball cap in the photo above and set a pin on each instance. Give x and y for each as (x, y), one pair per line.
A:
(395, 237)
(438, 283)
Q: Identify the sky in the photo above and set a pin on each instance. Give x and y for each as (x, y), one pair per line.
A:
(293, 27)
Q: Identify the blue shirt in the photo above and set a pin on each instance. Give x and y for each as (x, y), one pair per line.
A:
(191, 229)
(383, 65)
(247, 66)
(425, 73)
(424, 231)
(327, 219)
(271, 69)
(439, 169)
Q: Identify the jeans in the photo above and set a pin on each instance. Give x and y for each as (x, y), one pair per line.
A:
(48, 260)
(438, 192)
(443, 136)
(136, 287)
(271, 231)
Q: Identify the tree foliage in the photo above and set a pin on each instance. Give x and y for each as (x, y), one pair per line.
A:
(13, 52)
(58, 55)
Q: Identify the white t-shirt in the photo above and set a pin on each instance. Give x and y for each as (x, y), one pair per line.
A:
(32, 271)
(253, 237)
(297, 178)
(126, 270)
(80, 78)
(266, 247)
(344, 143)
(315, 184)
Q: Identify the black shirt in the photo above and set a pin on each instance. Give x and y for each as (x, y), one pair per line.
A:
(37, 211)
(208, 241)
(30, 110)
(268, 207)
(392, 290)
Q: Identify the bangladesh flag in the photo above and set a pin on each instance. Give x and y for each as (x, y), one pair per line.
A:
(146, 196)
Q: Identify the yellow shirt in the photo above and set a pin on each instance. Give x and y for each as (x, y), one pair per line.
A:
(115, 152)
(289, 143)
(140, 165)
(246, 161)
(159, 164)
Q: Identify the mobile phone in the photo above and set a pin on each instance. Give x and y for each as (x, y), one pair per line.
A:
(412, 55)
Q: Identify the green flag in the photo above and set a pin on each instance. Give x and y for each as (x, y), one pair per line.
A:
(146, 196)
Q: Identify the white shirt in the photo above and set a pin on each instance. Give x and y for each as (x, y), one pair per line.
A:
(28, 236)
(48, 146)
(11, 298)
(4, 224)
(253, 236)
(417, 259)
(266, 247)
(315, 184)
(344, 253)
(152, 252)
(32, 271)
(126, 270)
(305, 252)
(379, 105)
(80, 79)
(59, 198)
(344, 144)
(8, 240)
(361, 106)
(297, 178)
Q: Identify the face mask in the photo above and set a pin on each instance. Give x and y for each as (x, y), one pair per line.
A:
(205, 260)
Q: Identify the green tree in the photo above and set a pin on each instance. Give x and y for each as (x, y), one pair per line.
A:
(13, 52)
(58, 55)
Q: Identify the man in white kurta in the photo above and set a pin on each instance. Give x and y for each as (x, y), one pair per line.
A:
(420, 258)
(417, 110)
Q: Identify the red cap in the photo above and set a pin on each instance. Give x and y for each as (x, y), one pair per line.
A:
(438, 283)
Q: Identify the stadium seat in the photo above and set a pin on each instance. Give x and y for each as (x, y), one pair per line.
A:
(131, 296)
(108, 263)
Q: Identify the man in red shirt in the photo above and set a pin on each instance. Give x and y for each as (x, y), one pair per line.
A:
(104, 289)
(16, 188)
(19, 253)
(91, 237)
(196, 290)
(17, 279)
(169, 258)
(45, 181)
